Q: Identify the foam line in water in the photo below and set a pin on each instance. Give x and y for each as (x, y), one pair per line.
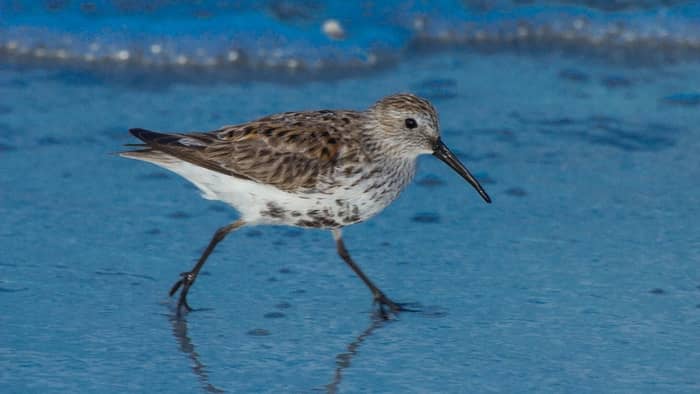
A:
(317, 38)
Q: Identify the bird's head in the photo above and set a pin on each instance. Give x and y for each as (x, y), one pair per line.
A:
(410, 127)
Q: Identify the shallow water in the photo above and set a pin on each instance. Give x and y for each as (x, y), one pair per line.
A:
(582, 276)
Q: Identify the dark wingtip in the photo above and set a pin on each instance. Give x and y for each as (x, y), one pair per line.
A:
(143, 134)
(153, 138)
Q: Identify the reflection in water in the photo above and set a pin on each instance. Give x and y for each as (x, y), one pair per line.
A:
(343, 360)
(187, 347)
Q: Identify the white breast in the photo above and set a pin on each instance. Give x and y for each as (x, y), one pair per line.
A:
(259, 203)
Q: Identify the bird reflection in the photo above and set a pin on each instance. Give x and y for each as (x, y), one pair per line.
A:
(187, 347)
(343, 360)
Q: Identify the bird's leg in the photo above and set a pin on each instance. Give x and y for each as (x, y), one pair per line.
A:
(189, 277)
(379, 296)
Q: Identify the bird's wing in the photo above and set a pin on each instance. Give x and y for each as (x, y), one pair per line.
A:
(288, 150)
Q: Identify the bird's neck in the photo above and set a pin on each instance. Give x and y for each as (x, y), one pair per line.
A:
(391, 165)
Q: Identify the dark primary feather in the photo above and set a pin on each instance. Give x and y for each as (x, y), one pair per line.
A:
(290, 150)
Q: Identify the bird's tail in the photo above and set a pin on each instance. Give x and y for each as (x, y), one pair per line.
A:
(148, 152)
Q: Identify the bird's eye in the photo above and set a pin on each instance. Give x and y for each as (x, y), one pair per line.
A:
(411, 123)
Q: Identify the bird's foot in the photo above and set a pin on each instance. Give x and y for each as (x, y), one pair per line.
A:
(388, 307)
(186, 281)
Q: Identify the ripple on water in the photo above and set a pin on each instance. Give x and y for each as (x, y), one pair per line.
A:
(126, 274)
(48, 141)
(7, 148)
(76, 78)
(430, 181)
(574, 75)
(293, 233)
(434, 312)
(683, 99)
(15, 83)
(608, 131)
(626, 138)
(258, 332)
(615, 82)
(516, 192)
(253, 233)
(179, 215)
(10, 290)
(485, 179)
(426, 217)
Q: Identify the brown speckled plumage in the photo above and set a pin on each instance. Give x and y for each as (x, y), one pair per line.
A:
(289, 150)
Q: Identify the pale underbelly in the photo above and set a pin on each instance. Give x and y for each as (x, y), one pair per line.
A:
(265, 204)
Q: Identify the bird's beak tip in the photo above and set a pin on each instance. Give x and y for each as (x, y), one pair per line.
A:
(443, 153)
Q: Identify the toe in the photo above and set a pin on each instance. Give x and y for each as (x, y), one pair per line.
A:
(176, 286)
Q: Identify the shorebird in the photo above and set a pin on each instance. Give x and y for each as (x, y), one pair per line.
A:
(323, 169)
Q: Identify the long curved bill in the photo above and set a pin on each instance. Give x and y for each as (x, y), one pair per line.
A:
(441, 151)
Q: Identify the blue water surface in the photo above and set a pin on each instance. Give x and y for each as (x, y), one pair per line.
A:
(582, 276)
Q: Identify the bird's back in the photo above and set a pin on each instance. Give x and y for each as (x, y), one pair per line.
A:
(292, 151)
